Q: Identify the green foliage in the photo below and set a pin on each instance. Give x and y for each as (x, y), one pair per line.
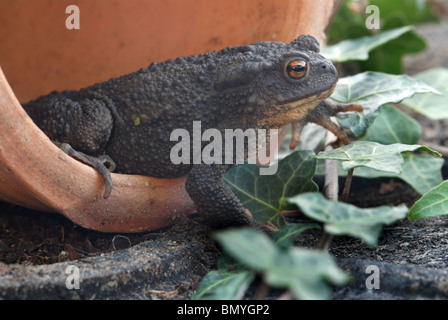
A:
(359, 48)
(371, 90)
(345, 219)
(261, 194)
(430, 105)
(389, 58)
(307, 273)
(434, 203)
(421, 171)
(404, 12)
(372, 155)
(284, 238)
(393, 126)
(350, 21)
(224, 285)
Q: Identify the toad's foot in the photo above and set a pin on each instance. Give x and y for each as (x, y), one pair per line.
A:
(104, 164)
(267, 227)
(321, 115)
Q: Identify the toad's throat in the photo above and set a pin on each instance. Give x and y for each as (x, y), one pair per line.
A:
(296, 110)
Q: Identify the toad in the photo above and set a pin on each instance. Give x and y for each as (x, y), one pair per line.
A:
(126, 123)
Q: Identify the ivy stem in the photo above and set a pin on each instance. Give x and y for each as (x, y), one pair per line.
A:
(348, 183)
(331, 188)
(324, 242)
(262, 291)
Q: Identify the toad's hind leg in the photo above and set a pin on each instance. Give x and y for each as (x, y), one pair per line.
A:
(80, 124)
(104, 164)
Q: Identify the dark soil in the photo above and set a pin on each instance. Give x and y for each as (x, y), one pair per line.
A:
(33, 238)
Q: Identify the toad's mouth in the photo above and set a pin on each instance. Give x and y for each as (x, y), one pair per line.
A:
(296, 110)
(318, 95)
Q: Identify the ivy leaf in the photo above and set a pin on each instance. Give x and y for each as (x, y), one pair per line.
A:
(432, 204)
(393, 126)
(284, 238)
(421, 171)
(371, 90)
(350, 23)
(248, 246)
(430, 105)
(389, 57)
(261, 194)
(345, 219)
(306, 272)
(224, 285)
(372, 155)
(358, 49)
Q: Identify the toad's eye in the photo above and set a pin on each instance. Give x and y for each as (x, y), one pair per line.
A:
(296, 69)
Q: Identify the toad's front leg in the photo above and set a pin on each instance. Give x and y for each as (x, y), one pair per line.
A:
(213, 197)
(321, 115)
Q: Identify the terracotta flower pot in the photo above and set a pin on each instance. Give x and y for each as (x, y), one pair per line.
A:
(39, 54)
